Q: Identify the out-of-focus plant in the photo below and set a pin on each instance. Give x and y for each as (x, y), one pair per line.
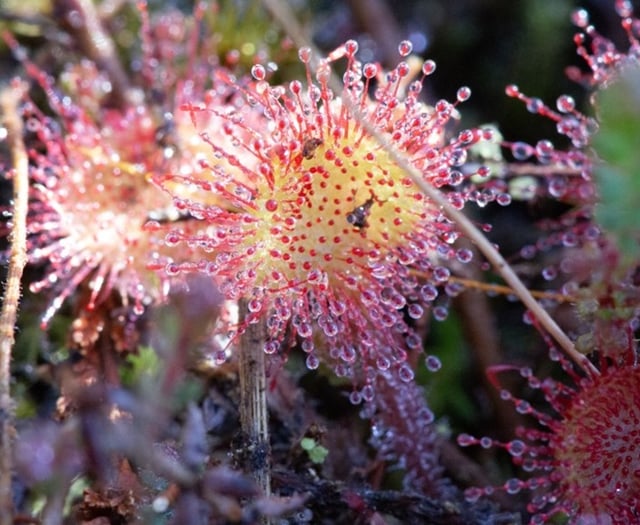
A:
(618, 183)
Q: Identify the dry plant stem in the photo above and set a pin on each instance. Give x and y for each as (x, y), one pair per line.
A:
(501, 289)
(505, 290)
(9, 99)
(280, 11)
(253, 401)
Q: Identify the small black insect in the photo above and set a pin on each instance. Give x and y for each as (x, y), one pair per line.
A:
(358, 217)
(309, 147)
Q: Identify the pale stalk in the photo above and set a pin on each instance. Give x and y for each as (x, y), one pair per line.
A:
(253, 400)
(284, 16)
(9, 100)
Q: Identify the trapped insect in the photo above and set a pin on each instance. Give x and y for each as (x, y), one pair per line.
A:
(358, 217)
(309, 147)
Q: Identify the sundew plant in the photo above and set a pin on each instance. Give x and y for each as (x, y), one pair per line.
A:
(264, 266)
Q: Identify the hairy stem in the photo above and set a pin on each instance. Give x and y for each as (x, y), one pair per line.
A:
(9, 99)
(284, 16)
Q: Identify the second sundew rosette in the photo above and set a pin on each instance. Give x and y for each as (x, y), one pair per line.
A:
(98, 215)
(91, 210)
(322, 234)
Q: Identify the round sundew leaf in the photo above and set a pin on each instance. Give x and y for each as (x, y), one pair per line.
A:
(597, 447)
